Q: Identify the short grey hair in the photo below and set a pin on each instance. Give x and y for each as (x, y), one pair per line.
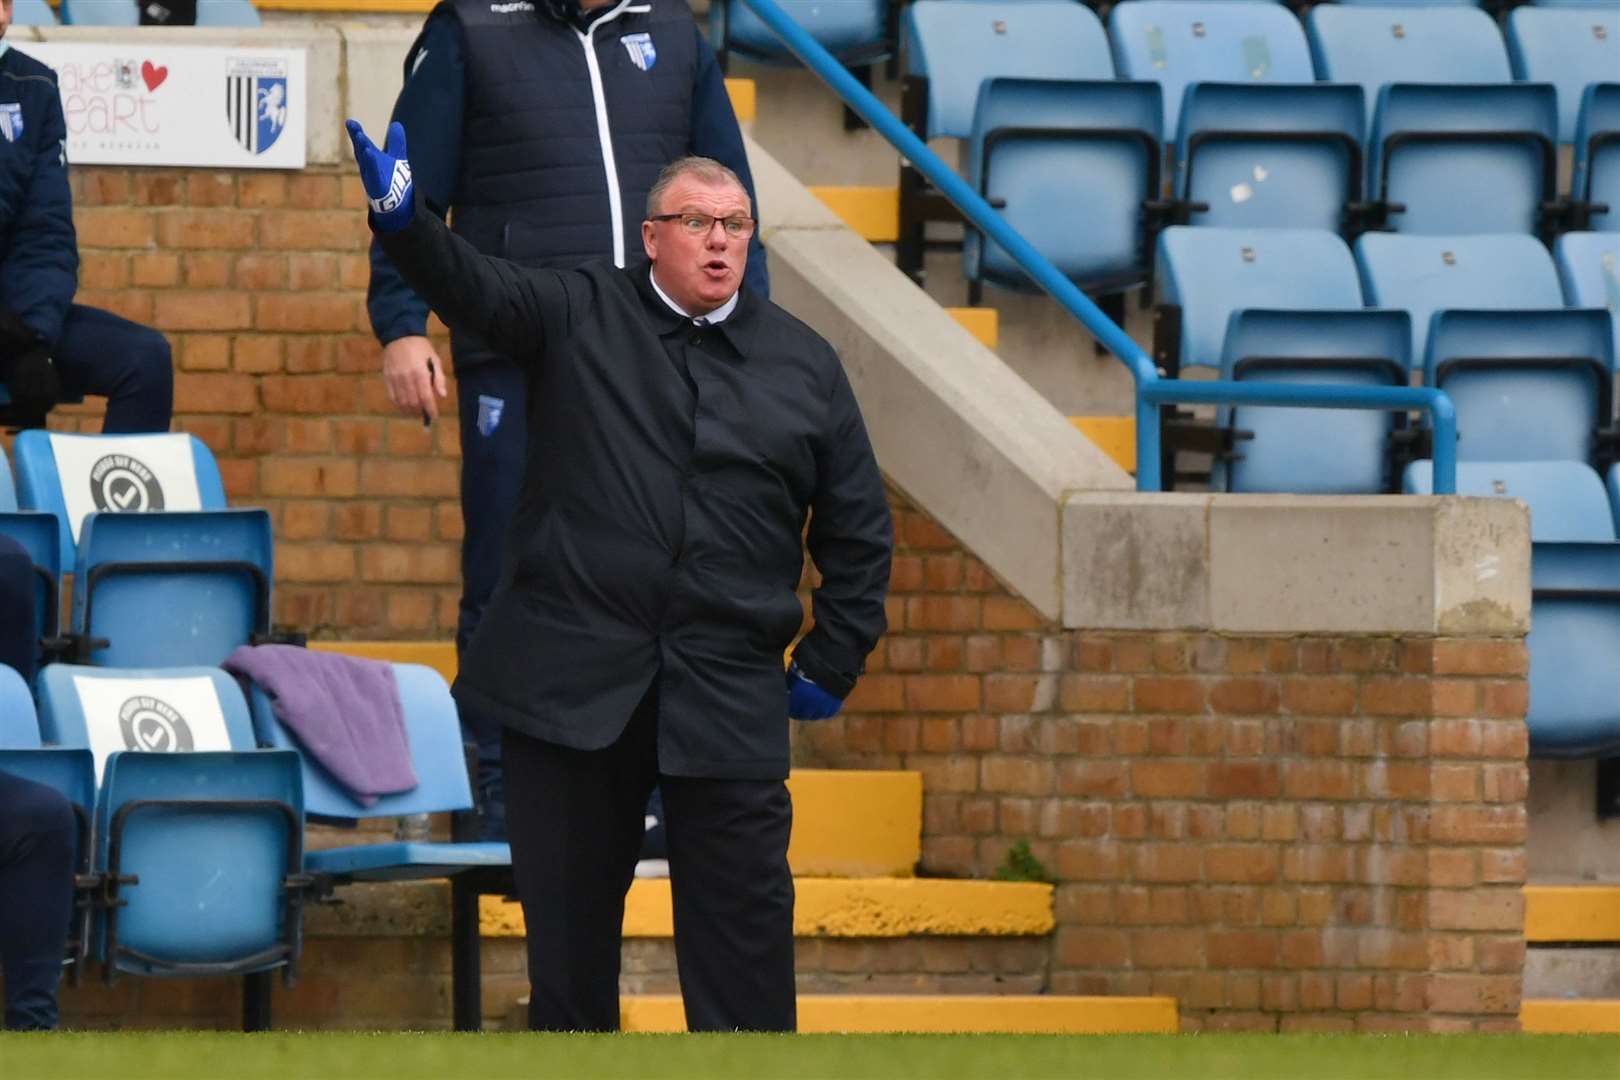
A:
(705, 169)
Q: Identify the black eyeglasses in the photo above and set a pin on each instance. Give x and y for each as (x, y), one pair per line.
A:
(696, 224)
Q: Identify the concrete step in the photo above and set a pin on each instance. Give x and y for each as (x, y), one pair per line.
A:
(837, 1013)
(1570, 1016)
(1572, 913)
(845, 908)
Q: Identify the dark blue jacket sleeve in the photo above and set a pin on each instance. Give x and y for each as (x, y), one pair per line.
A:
(430, 107)
(715, 134)
(39, 268)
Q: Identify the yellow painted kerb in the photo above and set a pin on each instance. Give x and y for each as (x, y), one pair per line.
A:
(829, 907)
(1593, 1016)
(438, 655)
(1572, 913)
(1049, 1014)
(873, 212)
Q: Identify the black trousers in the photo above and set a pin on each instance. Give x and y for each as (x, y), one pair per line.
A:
(575, 821)
(38, 841)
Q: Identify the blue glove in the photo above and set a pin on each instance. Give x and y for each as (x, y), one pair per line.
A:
(386, 175)
(806, 700)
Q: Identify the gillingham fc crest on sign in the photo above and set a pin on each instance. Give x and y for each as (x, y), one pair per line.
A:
(256, 101)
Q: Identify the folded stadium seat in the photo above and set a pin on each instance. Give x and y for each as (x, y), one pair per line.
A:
(37, 532)
(1527, 385)
(198, 836)
(1374, 44)
(1595, 184)
(72, 475)
(1425, 274)
(1312, 451)
(100, 13)
(857, 32)
(1449, 159)
(171, 589)
(952, 47)
(1072, 166)
(1204, 275)
(239, 13)
(473, 869)
(1589, 268)
(1568, 47)
(1567, 501)
(1269, 155)
(1178, 43)
(32, 13)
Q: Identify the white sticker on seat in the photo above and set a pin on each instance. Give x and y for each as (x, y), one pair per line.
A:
(152, 714)
(113, 473)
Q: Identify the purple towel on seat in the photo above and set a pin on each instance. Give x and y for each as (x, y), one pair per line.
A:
(344, 710)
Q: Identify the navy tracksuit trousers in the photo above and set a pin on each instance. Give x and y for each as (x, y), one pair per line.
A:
(38, 842)
(130, 365)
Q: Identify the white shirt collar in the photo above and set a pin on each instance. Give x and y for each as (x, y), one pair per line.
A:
(4, 45)
(718, 315)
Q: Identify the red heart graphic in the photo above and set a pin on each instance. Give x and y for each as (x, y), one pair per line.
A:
(153, 76)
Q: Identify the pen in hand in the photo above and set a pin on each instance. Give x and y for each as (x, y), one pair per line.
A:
(427, 421)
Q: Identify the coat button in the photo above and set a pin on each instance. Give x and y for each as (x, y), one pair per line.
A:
(695, 339)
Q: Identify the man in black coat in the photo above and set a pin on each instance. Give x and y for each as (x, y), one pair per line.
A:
(680, 429)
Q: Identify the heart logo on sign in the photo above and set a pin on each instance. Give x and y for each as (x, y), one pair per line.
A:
(153, 75)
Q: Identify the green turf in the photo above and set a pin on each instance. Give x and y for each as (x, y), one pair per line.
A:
(342, 1056)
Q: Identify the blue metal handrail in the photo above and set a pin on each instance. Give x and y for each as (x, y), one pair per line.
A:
(1152, 389)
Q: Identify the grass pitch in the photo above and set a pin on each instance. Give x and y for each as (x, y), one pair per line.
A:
(345, 1056)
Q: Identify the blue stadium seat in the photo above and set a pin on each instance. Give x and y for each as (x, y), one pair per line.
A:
(1374, 45)
(1461, 159)
(1313, 451)
(1589, 267)
(32, 13)
(198, 836)
(73, 475)
(1574, 3)
(1425, 274)
(473, 868)
(1269, 155)
(171, 589)
(1595, 185)
(855, 31)
(1527, 385)
(100, 13)
(436, 754)
(37, 533)
(1070, 165)
(1567, 500)
(1204, 275)
(1574, 683)
(1177, 44)
(19, 726)
(1568, 47)
(953, 46)
(237, 13)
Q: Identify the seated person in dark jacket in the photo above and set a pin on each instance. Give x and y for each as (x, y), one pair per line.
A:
(52, 349)
(681, 429)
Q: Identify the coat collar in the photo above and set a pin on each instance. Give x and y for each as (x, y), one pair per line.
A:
(739, 328)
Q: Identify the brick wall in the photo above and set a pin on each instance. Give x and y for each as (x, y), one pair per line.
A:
(258, 279)
(1312, 833)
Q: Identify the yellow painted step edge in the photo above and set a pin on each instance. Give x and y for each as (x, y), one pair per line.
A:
(1114, 436)
(744, 99)
(367, 7)
(438, 655)
(873, 212)
(983, 323)
(1571, 913)
(830, 1013)
(1592, 1016)
(851, 823)
(833, 907)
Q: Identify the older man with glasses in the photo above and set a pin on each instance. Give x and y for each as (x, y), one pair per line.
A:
(686, 427)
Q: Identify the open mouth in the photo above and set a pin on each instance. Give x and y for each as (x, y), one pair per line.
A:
(717, 267)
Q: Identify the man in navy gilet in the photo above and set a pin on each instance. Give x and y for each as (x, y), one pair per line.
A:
(540, 126)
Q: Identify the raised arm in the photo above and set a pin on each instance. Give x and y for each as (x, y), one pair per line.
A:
(514, 308)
